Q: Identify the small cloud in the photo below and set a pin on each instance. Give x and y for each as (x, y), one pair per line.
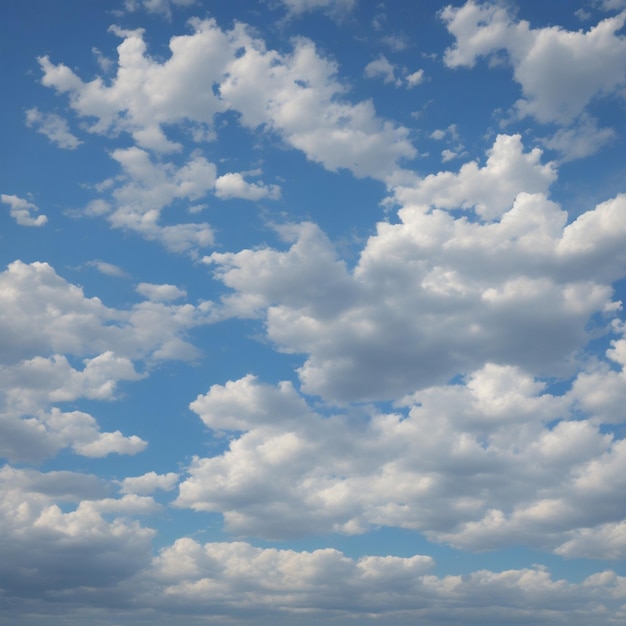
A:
(104, 62)
(20, 210)
(382, 68)
(149, 483)
(415, 78)
(396, 43)
(108, 269)
(337, 7)
(160, 293)
(160, 7)
(233, 185)
(54, 127)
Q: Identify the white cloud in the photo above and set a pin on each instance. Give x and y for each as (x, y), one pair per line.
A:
(233, 185)
(146, 94)
(149, 483)
(382, 68)
(61, 551)
(160, 293)
(580, 141)
(478, 465)
(300, 97)
(108, 269)
(607, 541)
(145, 189)
(415, 78)
(435, 294)
(490, 189)
(44, 314)
(54, 127)
(309, 586)
(298, 7)
(108, 443)
(559, 71)
(21, 210)
(46, 324)
(297, 95)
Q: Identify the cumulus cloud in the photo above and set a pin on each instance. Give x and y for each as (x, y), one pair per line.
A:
(220, 577)
(299, 96)
(382, 68)
(435, 295)
(54, 127)
(160, 293)
(559, 71)
(21, 211)
(490, 462)
(490, 189)
(145, 189)
(415, 78)
(46, 325)
(233, 185)
(149, 483)
(62, 551)
(296, 95)
(146, 94)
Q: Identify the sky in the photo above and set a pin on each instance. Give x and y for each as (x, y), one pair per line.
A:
(311, 312)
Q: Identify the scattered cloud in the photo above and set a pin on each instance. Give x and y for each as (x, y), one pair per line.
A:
(21, 210)
(580, 141)
(382, 68)
(298, 7)
(108, 269)
(149, 483)
(54, 127)
(559, 71)
(160, 293)
(233, 185)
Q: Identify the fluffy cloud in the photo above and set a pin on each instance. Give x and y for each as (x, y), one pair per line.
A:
(160, 293)
(146, 94)
(382, 68)
(149, 483)
(59, 552)
(45, 325)
(490, 462)
(54, 127)
(300, 97)
(233, 185)
(220, 578)
(145, 188)
(43, 314)
(559, 71)
(297, 95)
(490, 189)
(435, 295)
(21, 209)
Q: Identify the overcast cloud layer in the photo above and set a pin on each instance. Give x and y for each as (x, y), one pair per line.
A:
(311, 312)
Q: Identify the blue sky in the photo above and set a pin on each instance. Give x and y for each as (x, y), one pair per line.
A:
(311, 312)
